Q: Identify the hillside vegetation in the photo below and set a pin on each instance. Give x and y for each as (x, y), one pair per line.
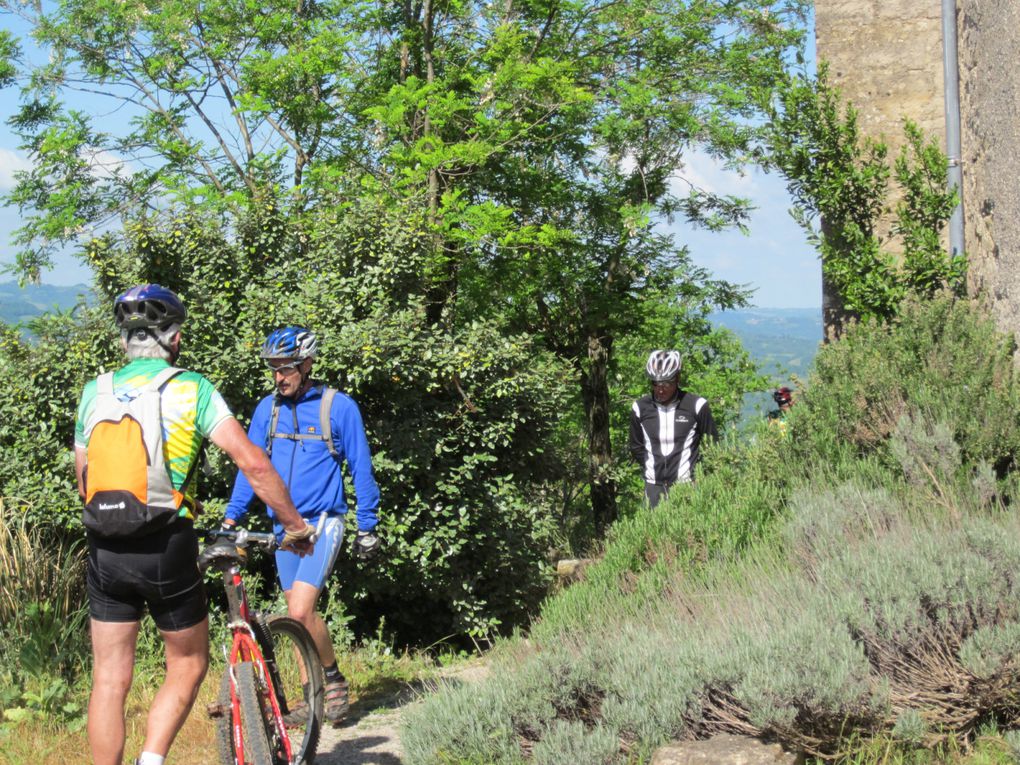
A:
(852, 576)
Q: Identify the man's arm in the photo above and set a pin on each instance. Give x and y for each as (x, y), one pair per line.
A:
(353, 444)
(243, 494)
(79, 468)
(253, 462)
(637, 436)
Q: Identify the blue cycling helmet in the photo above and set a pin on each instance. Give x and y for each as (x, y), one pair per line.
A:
(148, 306)
(290, 343)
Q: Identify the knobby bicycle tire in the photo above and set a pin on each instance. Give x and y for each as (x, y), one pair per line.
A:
(253, 718)
(298, 680)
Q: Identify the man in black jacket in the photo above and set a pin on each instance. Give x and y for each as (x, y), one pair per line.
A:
(666, 427)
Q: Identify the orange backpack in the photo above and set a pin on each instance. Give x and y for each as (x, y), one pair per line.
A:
(128, 492)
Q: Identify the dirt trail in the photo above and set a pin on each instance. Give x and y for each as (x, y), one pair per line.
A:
(371, 736)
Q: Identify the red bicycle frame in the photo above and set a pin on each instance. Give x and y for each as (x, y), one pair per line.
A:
(246, 648)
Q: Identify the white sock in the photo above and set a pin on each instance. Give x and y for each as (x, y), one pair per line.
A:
(148, 758)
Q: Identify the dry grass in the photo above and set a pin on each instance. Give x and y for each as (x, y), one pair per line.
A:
(45, 744)
(44, 570)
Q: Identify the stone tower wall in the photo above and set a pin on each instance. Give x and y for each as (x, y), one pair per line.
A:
(886, 57)
(989, 33)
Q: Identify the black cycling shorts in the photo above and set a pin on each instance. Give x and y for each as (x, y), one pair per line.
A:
(158, 570)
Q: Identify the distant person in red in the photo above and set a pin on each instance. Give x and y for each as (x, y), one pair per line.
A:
(784, 400)
(666, 427)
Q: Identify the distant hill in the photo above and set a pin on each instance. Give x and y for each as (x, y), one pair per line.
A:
(21, 304)
(783, 341)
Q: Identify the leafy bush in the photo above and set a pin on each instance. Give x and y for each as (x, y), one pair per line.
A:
(942, 359)
(568, 743)
(913, 618)
(458, 416)
(854, 577)
(37, 408)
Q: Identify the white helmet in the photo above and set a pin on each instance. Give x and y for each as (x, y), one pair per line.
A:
(663, 366)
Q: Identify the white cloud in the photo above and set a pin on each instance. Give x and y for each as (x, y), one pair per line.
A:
(10, 162)
(107, 165)
(708, 173)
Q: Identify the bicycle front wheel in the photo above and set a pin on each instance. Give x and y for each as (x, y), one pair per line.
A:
(252, 722)
(296, 672)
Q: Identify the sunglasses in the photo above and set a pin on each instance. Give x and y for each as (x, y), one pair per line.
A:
(285, 368)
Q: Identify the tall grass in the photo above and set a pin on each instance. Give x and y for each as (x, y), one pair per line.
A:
(37, 565)
(43, 618)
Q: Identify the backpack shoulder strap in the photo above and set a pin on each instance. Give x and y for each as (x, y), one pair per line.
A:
(104, 383)
(274, 417)
(163, 378)
(325, 424)
(104, 404)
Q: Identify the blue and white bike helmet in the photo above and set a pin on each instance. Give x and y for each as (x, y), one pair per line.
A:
(296, 343)
(148, 306)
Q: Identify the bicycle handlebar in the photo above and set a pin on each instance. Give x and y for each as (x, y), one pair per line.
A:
(241, 537)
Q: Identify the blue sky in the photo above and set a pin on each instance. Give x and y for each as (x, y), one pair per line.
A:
(773, 259)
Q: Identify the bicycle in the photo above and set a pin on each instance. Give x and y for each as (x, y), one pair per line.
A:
(273, 687)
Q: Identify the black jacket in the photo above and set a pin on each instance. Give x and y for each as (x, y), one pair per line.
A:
(665, 439)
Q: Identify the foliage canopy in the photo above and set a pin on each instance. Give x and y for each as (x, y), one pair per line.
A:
(466, 200)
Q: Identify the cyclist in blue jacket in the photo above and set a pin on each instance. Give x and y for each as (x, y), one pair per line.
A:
(292, 426)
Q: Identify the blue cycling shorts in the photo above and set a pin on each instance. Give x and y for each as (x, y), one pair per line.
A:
(312, 569)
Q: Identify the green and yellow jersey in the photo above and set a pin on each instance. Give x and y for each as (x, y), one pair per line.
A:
(191, 409)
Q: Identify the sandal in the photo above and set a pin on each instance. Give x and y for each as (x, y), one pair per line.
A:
(297, 711)
(337, 701)
(297, 715)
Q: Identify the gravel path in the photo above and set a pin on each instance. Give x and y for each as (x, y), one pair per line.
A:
(370, 736)
(366, 738)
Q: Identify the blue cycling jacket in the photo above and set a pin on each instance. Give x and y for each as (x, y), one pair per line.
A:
(312, 474)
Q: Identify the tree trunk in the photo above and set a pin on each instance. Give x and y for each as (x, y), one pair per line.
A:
(444, 278)
(595, 392)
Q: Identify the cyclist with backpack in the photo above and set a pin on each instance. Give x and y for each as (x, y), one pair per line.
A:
(309, 431)
(138, 438)
(667, 427)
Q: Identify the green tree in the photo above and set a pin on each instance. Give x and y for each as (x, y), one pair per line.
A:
(546, 141)
(538, 148)
(841, 177)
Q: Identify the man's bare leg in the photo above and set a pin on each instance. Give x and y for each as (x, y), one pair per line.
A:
(301, 601)
(113, 663)
(187, 659)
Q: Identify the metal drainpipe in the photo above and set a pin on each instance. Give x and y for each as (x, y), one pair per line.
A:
(950, 67)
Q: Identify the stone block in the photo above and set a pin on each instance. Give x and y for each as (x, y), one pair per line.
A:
(725, 750)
